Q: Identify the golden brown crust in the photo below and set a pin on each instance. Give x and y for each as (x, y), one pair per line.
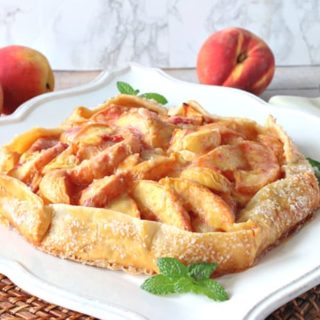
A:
(279, 207)
(134, 101)
(114, 240)
(23, 209)
(10, 153)
(95, 235)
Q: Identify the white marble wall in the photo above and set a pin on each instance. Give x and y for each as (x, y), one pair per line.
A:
(95, 34)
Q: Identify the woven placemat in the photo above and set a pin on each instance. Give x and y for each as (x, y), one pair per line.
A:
(17, 304)
(304, 307)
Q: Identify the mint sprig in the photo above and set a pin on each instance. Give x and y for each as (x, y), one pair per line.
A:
(126, 88)
(155, 96)
(175, 277)
(316, 167)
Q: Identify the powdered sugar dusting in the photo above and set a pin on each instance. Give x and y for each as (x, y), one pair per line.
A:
(104, 237)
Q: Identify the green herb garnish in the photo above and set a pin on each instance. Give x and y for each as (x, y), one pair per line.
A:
(175, 277)
(316, 167)
(155, 96)
(126, 88)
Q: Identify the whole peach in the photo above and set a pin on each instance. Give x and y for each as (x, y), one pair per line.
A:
(235, 57)
(24, 74)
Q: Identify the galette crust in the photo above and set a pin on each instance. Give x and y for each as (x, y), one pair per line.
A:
(113, 240)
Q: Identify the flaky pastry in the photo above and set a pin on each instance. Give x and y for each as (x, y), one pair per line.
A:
(129, 182)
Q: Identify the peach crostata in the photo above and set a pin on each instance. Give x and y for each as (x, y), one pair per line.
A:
(129, 182)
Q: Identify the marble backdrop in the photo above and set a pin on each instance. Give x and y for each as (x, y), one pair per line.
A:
(95, 34)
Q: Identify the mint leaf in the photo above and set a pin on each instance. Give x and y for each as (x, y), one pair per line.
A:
(159, 285)
(155, 96)
(172, 267)
(183, 285)
(201, 271)
(125, 88)
(212, 289)
(316, 167)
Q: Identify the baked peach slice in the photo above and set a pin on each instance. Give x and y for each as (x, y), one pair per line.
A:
(226, 159)
(189, 114)
(154, 169)
(152, 129)
(274, 144)
(189, 109)
(156, 202)
(29, 168)
(264, 168)
(125, 204)
(250, 164)
(77, 117)
(108, 114)
(24, 141)
(10, 153)
(90, 139)
(42, 143)
(65, 160)
(207, 177)
(185, 157)
(210, 211)
(247, 128)
(129, 162)
(228, 136)
(199, 142)
(105, 163)
(55, 187)
(176, 141)
(91, 133)
(102, 191)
